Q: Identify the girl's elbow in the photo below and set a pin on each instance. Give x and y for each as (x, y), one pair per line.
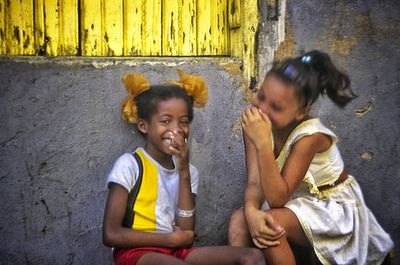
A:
(107, 241)
(278, 202)
(108, 238)
(279, 199)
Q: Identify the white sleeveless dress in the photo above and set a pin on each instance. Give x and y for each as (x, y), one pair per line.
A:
(337, 222)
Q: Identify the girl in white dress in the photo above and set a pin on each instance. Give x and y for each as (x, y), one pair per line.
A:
(298, 190)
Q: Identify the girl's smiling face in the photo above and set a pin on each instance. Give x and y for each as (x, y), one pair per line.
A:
(279, 101)
(169, 122)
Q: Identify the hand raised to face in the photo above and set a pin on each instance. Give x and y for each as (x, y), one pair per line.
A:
(257, 126)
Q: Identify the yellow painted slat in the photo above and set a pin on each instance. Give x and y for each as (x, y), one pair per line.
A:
(219, 31)
(69, 28)
(56, 27)
(236, 42)
(223, 27)
(247, 35)
(2, 27)
(187, 28)
(112, 28)
(132, 27)
(52, 25)
(235, 33)
(249, 29)
(39, 28)
(203, 28)
(170, 27)
(91, 28)
(242, 39)
(234, 11)
(151, 23)
(19, 29)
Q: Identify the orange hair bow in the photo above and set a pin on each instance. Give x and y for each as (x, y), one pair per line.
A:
(194, 85)
(136, 83)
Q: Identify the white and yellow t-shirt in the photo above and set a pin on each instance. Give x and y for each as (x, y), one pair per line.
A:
(156, 200)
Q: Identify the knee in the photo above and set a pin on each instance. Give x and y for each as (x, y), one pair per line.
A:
(237, 220)
(253, 256)
(237, 226)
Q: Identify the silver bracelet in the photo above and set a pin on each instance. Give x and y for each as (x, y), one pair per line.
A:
(185, 213)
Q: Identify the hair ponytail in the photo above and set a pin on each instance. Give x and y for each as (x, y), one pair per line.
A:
(329, 80)
(314, 74)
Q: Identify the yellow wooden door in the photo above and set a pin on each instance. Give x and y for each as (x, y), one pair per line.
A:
(114, 27)
(129, 28)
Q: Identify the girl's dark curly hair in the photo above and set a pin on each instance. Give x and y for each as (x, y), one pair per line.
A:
(148, 100)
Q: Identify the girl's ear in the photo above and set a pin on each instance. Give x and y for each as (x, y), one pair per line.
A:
(303, 113)
(142, 126)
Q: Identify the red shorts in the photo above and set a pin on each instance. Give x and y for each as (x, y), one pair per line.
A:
(130, 256)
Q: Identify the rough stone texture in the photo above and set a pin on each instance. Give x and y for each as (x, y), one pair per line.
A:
(60, 132)
(363, 39)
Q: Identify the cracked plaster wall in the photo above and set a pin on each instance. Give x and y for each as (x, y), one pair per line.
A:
(61, 132)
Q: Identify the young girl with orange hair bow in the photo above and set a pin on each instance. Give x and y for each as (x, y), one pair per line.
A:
(150, 211)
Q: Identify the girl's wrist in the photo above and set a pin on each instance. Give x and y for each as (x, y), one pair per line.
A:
(263, 146)
(184, 172)
(249, 210)
(185, 213)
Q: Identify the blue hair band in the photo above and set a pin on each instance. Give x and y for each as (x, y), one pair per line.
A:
(306, 59)
(291, 72)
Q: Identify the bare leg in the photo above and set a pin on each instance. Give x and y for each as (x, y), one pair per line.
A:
(225, 255)
(238, 233)
(283, 253)
(154, 258)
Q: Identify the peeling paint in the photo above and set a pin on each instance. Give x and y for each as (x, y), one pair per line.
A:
(98, 65)
(236, 129)
(102, 62)
(363, 26)
(367, 156)
(360, 112)
(231, 67)
(234, 69)
(287, 46)
(343, 44)
(16, 34)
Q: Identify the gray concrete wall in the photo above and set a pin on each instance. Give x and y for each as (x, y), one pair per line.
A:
(363, 38)
(60, 132)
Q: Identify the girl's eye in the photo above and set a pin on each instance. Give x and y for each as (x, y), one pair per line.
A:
(276, 108)
(185, 123)
(260, 96)
(164, 121)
